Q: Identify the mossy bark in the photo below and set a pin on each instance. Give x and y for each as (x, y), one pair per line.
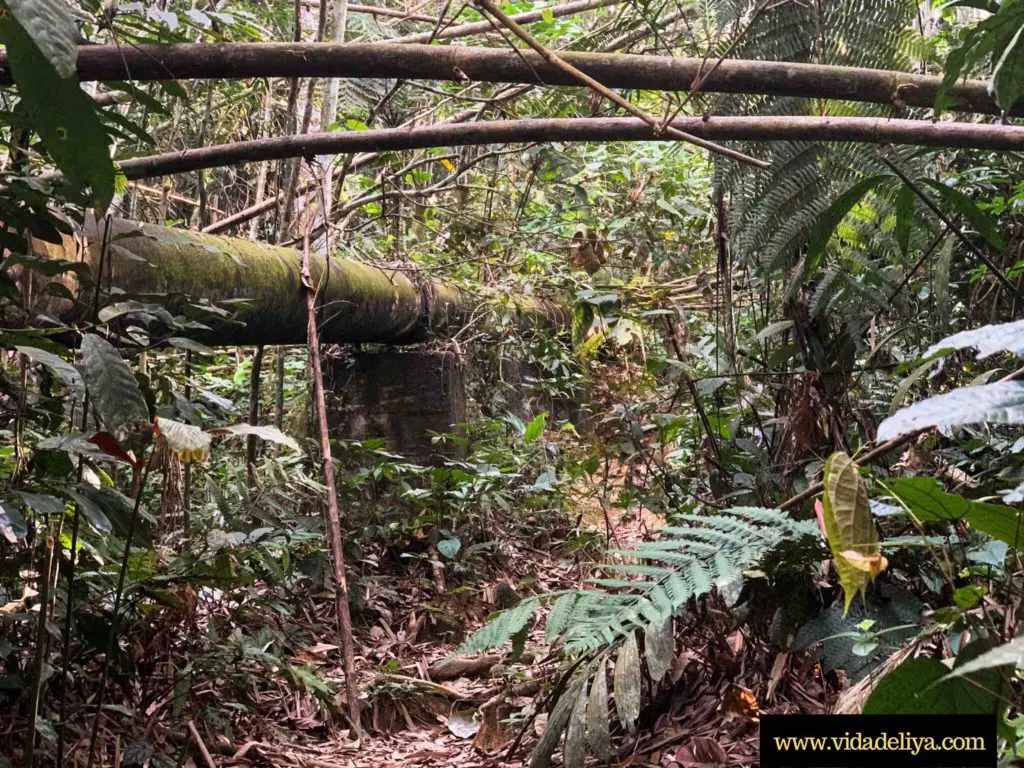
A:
(262, 287)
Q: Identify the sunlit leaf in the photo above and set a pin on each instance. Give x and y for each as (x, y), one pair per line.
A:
(271, 434)
(850, 526)
(999, 403)
(190, 443)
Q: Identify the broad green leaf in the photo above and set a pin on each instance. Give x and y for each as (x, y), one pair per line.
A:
(115, 394)
(271, 434)
(575, 751)
(835, 213)
(850, 527)
(598, 731)
(999, 403)
(116, 509)
(988, 340)
(63, 115)
(535, 428)
(191, 444)
(1007, 83)
(60, 368)
(78, 444)
(43, 503)
(981, 221)
(904, 218)
(926, 687)
(989, 39)
(929, 503)
(92, 512)
(1009, 654)
(659, 648)
(52, 28)
(627, 683)
(48, 267)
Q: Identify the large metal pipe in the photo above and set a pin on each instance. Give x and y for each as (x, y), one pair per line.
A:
(262, 286)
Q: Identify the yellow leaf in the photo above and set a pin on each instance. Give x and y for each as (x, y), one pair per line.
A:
(850, 527)
(873, 564)
(448, 164)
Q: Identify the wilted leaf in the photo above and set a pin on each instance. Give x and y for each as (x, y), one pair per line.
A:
(575, 751)
(557, 721)
(463, 724)
(272, 434)
(659, 648)
(598, 731)
(191, 444)
(627, 683)
(850, 525)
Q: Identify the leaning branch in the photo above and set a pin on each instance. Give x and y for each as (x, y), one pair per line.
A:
(598, 87)
(852, 129)
(458, 63)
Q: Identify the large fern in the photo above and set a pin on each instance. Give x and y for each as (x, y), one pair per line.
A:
(660, 578)
(601, 623)
(773, 211)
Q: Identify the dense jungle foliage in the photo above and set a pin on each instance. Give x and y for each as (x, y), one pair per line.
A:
(773, 463)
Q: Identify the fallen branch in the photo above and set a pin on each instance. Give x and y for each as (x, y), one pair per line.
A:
(108, 63)
(201, 745)
(450, 669)
(758, 128)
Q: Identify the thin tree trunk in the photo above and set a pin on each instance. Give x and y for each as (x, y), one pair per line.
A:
(279, 388)
(333, 514)
(251, 446)
(261, 179)
(330, 110)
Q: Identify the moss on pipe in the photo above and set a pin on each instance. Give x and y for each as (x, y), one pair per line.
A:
(361, 303)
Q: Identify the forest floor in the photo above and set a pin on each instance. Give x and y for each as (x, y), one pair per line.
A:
(422, 714)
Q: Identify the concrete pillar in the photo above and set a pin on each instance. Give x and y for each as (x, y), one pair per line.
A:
(400, 396)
